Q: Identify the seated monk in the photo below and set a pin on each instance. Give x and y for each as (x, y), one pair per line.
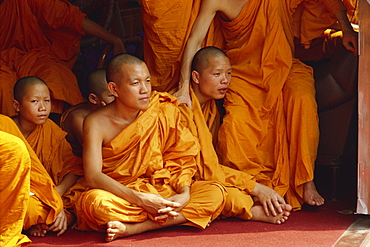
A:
(71, 120)
(42, 38)
(211, 74)
(139, 161)
(45, 209)
(15, 165)
(32, 103)
(270, 129)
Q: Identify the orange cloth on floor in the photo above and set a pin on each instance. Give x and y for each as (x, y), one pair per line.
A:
(76, 146)
(55, 153)
(238, 184)
(154, 154)
(41, 184)
(15, 166)
(39, 38)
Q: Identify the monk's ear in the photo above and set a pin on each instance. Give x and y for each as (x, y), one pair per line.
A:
(93, 98)
(112, 88)
(195, 76)
(16, 105)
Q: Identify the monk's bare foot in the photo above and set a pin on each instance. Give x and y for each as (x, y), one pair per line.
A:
(116, 229)
(258, 214)
(38, 230)
(311, 196)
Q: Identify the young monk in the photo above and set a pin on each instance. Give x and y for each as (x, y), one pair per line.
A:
(72, 119)
(139, 161)
(32, 104)
(271, 125)
(15, 165)
(45, 209)
(211, 74)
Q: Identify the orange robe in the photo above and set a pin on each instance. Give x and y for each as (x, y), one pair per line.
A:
(238, 184)
(314, 40)
(55, 153)
(15, 165)
(39, 38)
(167, 25)
(46, 203)
(271, 100)
(154, 154)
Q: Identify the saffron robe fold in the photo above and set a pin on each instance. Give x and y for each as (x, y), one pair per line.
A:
(271, 125)
(15, 165)
(154, 154)
(39, 38)
(312, 18)
(53, 150)
(271, 100)
(238, 184)
(46, 203)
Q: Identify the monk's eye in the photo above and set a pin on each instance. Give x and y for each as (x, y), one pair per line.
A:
(216, 74)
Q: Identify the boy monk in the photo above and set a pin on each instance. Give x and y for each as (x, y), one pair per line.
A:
(32, 103)
(270, 129)
(139, 161)
(72, 119)
(15, 165)
(45, 210)
(211, 74)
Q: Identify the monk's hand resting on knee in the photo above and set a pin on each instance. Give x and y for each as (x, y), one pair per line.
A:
(269, 199)
(60, 224)
(182, 198)
(157, 205)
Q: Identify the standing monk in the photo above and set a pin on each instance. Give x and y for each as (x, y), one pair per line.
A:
(271, 125)
(139, 161)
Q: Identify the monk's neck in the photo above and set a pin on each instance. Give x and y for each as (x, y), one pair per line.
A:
(25, 127)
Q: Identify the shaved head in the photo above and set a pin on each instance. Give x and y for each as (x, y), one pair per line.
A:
(97, 82)
(114, 68)
(201, 58)
(21, 86)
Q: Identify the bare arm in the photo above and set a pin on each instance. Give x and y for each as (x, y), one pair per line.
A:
(349, 35)
(95, 178)
(68, 181)
(201, 25)
(94, 29)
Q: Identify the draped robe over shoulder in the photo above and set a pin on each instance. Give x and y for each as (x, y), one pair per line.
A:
(271, 126)
(15, 165)
(46, 203)
(154, 154)
(199, 120)
(39, 38)
(55, 153)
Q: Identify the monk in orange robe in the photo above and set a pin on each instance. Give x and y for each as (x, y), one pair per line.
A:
(320, 28)
(71, 120)
(211, 74)
(41, 38)
(262, 59)
(139, 166)
(45, 208)
(32, 104)
(15, 165)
